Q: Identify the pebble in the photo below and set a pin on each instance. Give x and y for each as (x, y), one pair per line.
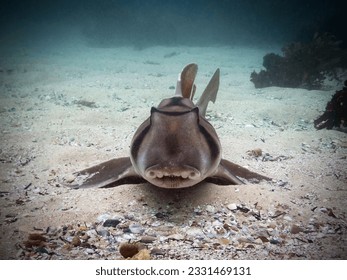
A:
(243, 240)
(249, 126)
(217, 223)
(89, 251)
(274, 241)
(128, 236)
(70, 178)
(76, 241)
(210, 209)
(263, 239)
(295, 229)
(103, 217)
(136, 228)
(160, 215)
(224, 241)
(272, 225)
(111, 223)
(156, 224)
(198, 210)
(281, 183)
(157, 251)
(128, 250)
(91, 233)
(147, 239)
(176, 236)
(287, 218)
(232, 206)
(195, 232)
(103, 232)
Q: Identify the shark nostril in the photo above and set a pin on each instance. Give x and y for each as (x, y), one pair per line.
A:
(154, 174)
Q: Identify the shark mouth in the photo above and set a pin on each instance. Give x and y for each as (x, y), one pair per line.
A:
(172, 177)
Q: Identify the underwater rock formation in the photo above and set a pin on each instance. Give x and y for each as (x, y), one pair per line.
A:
(335, 115)
(303, 65)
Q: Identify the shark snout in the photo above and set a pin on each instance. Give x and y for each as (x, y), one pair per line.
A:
(172, 177)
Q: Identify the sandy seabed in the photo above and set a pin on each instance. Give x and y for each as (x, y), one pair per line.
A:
(66, 108)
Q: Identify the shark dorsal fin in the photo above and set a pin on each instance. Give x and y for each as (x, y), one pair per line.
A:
(185, 83)
(209, 94)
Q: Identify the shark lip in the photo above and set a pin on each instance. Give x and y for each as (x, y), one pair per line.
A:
(172, 177)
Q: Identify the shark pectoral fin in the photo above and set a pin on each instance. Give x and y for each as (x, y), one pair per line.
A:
(229, 173)
(242, 172)
(223, 176)
(107, 174)
(209, 94)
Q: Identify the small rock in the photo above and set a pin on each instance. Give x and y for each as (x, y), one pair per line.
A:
(156, 224)
(111, 223)
(232, 206)
(198, 211)
(76, 241)
(41, 250)
(103, 217)
(118, 217)
(255, 152)
(89, 251)
(147, 239)
(82, 228)
(103, 232)
(128, 236)
(128, 250)
(70, 178)
(91, 233)
(287, 218)
(37, 236)
(272, 225)
(281, 183)
(274, 241)
(263, 239)
(160, 215)
(224, 241)
(210, 209)
(249, 125)
(35, 240)
(195, 232)
(217, 223)
(136, 228)
(242, 240)
(176, 236)
(295, 229)
(233, 228)
(157, 251)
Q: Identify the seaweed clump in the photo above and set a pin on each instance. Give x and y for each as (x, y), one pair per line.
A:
(335, 115)
(303, 65)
